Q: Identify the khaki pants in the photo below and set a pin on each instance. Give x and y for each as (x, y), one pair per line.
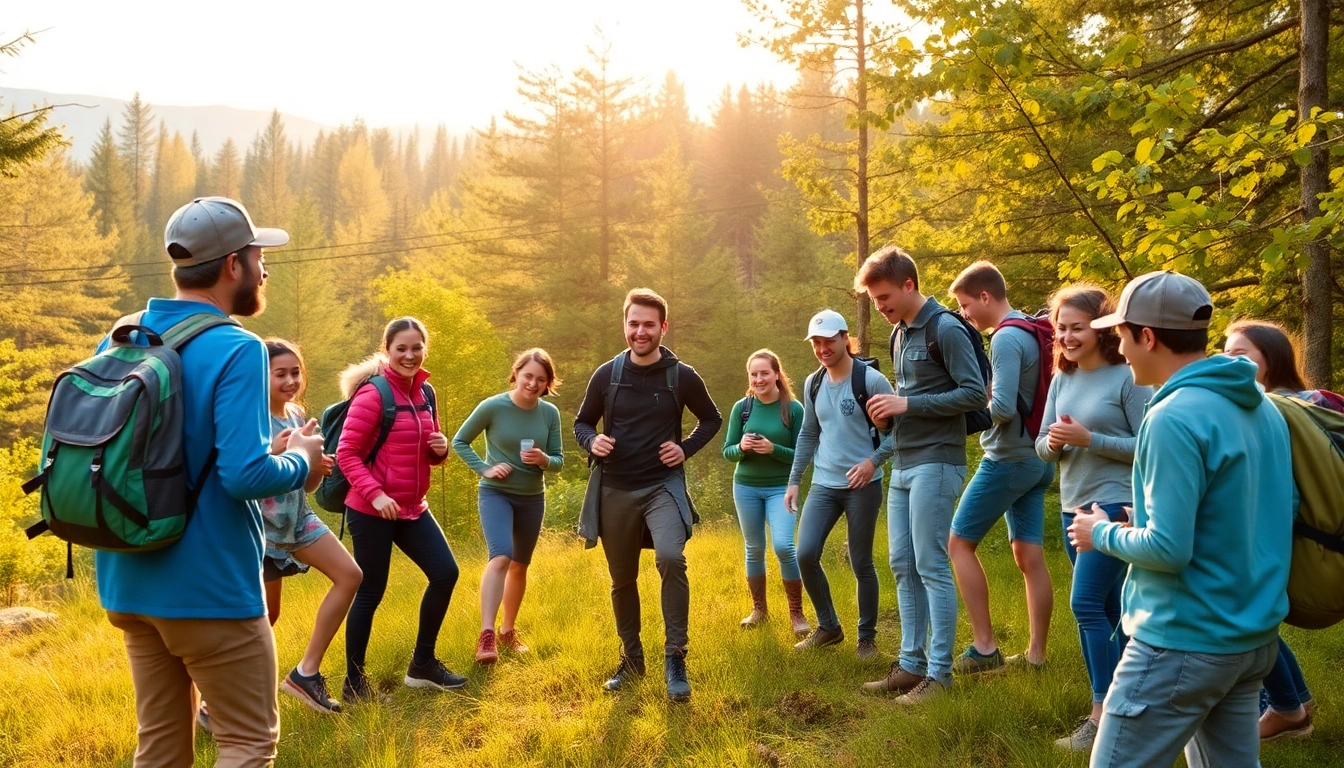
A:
(233, 664)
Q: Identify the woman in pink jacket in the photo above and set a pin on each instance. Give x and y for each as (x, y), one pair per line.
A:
(386, 502)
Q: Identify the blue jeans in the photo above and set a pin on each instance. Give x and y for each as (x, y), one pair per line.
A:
(1163, 700)
(755, 508)
(1016, 488)
(919, 519)
(1095, 601)
(821, 512)
(1285, 688)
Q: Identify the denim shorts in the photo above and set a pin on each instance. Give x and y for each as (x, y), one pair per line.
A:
(1016, 488)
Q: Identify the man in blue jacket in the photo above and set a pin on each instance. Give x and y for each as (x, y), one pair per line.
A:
(1208, 547)
(194, 612)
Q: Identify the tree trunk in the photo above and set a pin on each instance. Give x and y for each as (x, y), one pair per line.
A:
(861, 181)
(1318, 313)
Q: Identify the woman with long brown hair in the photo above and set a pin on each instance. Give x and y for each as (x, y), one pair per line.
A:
(762, 432)
(1090, 427)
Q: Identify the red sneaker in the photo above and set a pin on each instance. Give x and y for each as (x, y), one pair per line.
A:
(510, 641)
(485, 647)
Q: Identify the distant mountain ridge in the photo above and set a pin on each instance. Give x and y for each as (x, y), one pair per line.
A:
(213, 124)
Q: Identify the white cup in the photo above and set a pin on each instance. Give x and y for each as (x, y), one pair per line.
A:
(526, 445)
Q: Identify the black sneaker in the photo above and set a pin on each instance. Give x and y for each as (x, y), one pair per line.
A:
(432, 674)
(361, 691)
(678, 687)
(631, 666)
(311, 690)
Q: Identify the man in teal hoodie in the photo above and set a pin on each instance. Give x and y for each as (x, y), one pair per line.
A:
(1208, 546)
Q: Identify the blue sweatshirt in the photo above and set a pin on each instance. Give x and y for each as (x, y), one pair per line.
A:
(1213, 515)
(214, 571)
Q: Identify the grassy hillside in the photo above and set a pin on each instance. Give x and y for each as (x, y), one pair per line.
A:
(67, 698)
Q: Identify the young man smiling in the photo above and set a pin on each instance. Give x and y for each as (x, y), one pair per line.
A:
(928, 420)
(838, 439)
(1209, 546)
(643, 491)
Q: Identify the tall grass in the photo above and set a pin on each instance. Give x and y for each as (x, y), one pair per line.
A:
(66, 696)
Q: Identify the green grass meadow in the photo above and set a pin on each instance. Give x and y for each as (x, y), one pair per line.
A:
(66, 697)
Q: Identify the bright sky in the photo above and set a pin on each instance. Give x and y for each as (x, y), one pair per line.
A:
(391, 62)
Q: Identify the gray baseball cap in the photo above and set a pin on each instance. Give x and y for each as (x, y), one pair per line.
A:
(826, 324)
(210, 228)
(1167, 300)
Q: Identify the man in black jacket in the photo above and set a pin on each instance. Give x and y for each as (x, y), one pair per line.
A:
(643, 484)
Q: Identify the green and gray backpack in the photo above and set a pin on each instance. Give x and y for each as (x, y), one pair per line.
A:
(113, 474)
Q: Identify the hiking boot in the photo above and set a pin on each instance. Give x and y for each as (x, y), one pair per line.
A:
(432, 674)
(793, 590)
(361, 691)
(311, 690)
(485, 647)
(1020, 661)
(511, 642)
(203, 719)
(1082, 737)
(756, 586)
(820, 638)
(678, 687)
(927, 690)
(896, 681)
(972, 661)
(867, 650)
(631, 667)
(1277, 725)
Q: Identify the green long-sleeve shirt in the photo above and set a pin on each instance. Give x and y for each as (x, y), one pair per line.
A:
(761, 470)
(505, 425)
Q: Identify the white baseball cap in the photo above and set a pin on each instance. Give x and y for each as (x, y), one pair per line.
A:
(826, 324)
(210, 228)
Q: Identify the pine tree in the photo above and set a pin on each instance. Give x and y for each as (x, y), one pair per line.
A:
(226, 174)
(202, 166)
(137, 145)
(361, 218)
(439, 166)
(107, 182)
(266, 177)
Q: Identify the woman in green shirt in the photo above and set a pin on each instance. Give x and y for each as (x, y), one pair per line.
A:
(762, 432)
(522, 440)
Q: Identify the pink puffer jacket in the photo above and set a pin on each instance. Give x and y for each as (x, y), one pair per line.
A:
(401, 469)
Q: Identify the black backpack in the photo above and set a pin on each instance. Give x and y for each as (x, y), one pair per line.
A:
(858, 383)
(976, 421)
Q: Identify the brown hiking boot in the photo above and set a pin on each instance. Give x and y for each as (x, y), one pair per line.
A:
(927, 690)
(897, 681)
(820, 638)
(1278, 725)
(756, 586)
(793, 590)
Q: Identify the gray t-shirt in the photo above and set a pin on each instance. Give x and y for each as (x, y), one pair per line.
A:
(1108, 403)
(835, 433)
(1015, 359)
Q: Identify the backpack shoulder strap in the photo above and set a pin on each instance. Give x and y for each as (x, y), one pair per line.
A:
(858, 384)
(184, 331)
(431, 398)
(746, 409)
(609, 399)
(673, 382)
(389, 414)
(931, 344)
(814, 384)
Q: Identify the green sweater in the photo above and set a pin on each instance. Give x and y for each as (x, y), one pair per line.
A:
(505, 425)
(761, 470)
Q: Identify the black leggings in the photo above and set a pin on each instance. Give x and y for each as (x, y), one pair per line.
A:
(422, 540)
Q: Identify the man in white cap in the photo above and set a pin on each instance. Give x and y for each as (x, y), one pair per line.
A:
(194, 612)
(846, 451)
(1209, 545)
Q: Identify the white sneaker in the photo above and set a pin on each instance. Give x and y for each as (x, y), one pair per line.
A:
(1081, 739)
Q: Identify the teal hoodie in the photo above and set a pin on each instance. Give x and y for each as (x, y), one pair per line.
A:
(1213, 515)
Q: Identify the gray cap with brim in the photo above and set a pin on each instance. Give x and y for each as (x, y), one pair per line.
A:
(1167, 300)
(210, 228)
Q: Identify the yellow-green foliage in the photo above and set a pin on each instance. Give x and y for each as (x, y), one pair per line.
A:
(24, 564)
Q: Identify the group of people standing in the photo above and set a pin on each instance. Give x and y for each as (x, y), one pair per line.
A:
(1166, 499)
